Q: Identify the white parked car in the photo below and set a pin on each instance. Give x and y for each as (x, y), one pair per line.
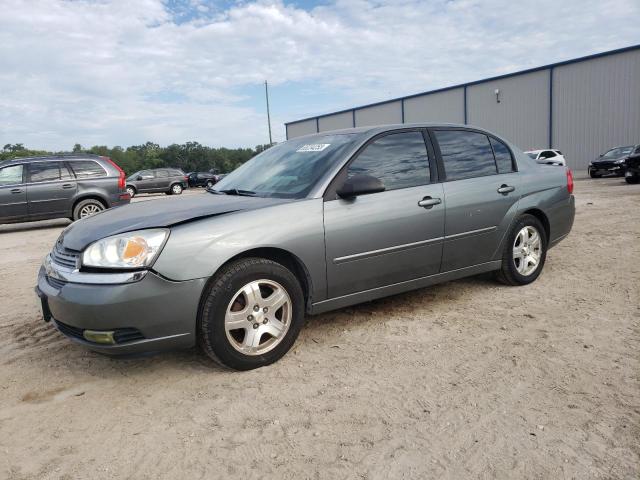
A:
(549, 156)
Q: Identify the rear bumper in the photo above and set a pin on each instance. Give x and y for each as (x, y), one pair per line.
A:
(163, 312)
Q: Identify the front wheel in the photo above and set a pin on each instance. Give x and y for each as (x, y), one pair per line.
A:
(131, 191)
(251, 314)
(592, 174)
(176, 189)
(632, 179)
(209, 184)
(525, 252)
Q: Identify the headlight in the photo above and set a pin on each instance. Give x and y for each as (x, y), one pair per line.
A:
(620, 161)
(127, 250)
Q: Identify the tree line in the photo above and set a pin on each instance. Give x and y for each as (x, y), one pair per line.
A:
(189, 156)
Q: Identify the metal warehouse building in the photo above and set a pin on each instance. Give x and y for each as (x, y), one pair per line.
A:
(582, 107)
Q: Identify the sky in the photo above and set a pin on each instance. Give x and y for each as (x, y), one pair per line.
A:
(123, 72)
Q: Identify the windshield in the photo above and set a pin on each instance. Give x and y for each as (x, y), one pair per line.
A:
(287, 170)
(618, 152)
(532, 155)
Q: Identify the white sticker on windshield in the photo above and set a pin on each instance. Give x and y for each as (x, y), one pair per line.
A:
(313, 147)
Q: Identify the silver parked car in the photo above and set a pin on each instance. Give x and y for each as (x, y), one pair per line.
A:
(313, 224)
(59, 186)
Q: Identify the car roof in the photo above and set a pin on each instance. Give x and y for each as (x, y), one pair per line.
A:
(56, 157)
(375, 129)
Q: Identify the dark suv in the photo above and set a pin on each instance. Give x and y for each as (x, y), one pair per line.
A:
(159, 180)
(202, 179)
(72, 186)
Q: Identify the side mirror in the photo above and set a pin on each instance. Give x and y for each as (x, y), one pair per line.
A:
(139, 177)
(602, 154)
(360, 185)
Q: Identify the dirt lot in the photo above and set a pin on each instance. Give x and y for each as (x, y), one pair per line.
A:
(469, 379)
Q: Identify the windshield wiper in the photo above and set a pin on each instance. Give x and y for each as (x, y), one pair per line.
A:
(235, 191)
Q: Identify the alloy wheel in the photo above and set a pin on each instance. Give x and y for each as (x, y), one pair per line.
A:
(527, 250)
(90, 209)
(258, 317)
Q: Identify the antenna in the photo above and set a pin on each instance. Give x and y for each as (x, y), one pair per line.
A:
(266, 94)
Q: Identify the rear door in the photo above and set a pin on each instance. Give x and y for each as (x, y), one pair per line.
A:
(51, 189)
(162, 181)
(13, 193)
(387, 237)
(482, 189)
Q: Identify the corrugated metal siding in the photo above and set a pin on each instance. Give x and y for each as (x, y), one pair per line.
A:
(379, 114)
(522, 116)
(596, 106)
(301, 128)
(336, 122)
(445, 107)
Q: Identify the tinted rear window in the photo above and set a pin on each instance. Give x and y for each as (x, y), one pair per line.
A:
(465, 154)
(87, 169)
(48, 171)
(504, 161)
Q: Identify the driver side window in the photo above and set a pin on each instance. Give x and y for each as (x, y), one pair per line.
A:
(399, 160)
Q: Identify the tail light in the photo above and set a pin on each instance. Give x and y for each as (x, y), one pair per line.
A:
(121, 175)
(569, 181)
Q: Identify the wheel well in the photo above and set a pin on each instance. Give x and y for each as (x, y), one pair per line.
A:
(89, 197)
(289, 260)
(540, 215)
(131, 186)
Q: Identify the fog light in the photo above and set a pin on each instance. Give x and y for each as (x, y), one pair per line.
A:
(99, 337)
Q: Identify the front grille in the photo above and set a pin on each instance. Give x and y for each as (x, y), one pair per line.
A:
(121, 335)
(64, 256)
(56, 283)
(604, 164)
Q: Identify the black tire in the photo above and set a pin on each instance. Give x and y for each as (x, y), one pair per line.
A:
(175, 189)
(83, 207)
(220, 291)
(632, 180)
(508, 273)
(594, 175)
(209, 184)
(131, 191)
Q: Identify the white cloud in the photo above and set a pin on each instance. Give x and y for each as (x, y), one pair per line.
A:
(120, 72)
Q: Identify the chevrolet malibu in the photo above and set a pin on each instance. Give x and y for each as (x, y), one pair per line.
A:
(316, 223)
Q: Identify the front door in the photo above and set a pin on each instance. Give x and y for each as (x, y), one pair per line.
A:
(482, 190)
(384, 238)
(146, 181)
(50, 189)
(13, 194)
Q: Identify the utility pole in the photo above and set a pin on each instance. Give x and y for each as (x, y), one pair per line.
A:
(266, 94)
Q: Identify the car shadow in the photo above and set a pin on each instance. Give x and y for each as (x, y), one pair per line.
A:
(38, 225)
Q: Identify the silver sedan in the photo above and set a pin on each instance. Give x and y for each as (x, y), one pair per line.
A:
(313, 224)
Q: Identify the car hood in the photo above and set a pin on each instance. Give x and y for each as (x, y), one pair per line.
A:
(157, 213)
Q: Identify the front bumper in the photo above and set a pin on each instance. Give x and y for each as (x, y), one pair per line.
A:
(162, 312)
(606, 169)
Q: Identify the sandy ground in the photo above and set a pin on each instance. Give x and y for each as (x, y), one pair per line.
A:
(468, 379)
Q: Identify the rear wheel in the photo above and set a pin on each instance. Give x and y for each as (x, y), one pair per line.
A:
(86, 208)
(209, 184)
(632, 179)
(525, 252)
(251, 314)
(131, 191)
(176, 189)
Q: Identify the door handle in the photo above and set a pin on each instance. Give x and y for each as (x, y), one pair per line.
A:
(16, 190)
(67, 185)
(504, 189)
(428, 202)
